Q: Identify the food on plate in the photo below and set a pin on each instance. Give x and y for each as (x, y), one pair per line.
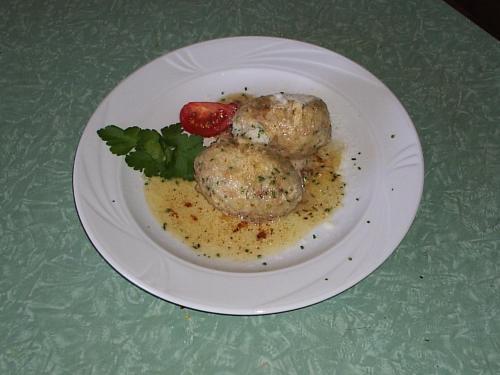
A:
(265, 172)
(256, 172)
(294, 125)
(207, 118)
(247, 180)
(184, 213)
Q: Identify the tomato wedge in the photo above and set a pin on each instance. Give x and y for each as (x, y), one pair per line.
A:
(207, 118)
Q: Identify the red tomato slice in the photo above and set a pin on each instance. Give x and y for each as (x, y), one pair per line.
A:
(207, 118)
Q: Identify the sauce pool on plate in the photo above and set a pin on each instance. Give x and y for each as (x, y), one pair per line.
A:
(182, 211)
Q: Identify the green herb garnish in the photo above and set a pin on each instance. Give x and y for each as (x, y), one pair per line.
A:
(168, 154)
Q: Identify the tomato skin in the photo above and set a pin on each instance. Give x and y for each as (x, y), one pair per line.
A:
(207, 118)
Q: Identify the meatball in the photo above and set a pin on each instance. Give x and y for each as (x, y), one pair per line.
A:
(247, 180)
(293, 125)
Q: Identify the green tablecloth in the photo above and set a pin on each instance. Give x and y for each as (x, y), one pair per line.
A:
(432, 308)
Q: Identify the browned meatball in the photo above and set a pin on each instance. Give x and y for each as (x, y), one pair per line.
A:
(247, 180)
(293, 125)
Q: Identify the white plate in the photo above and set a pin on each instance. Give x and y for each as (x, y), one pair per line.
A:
(367, 117)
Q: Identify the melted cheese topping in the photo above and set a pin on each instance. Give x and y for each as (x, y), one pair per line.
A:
(254, 132)
(283, 98)
(182, 211)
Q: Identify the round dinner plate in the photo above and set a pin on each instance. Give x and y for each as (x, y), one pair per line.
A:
(382, 167)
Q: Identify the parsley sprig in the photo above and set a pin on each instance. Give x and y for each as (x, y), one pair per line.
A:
(168, 154)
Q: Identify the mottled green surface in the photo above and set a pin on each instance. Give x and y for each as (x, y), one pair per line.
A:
(432, 308)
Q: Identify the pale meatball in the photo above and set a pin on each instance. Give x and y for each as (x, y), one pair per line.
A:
(293, 125)
(247, 180)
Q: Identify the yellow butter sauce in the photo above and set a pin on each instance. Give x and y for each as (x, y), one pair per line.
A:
(239, 98)
(185, 213)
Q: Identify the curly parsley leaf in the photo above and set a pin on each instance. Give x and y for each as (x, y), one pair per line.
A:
(169, 154)
(185, 149)
(150, 142)
(119, 141)
(143, 162)
(173, 135)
